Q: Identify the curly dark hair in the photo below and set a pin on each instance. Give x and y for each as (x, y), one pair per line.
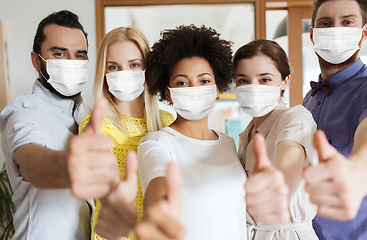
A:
(187, 42)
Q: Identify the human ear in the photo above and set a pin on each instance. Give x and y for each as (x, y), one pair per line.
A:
(364, 33)
(35, 61)
(285, 83)
(311, 35)
(167, 94)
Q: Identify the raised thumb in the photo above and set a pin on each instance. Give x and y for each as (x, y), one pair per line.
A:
(322, 146)
(97, 116)
(260, 152)
(173, 185)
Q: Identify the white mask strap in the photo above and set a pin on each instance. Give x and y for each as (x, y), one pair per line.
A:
(41, 57)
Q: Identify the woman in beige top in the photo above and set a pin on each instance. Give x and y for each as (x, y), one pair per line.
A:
(262, 76)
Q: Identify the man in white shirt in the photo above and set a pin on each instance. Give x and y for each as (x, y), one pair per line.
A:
(44, 161)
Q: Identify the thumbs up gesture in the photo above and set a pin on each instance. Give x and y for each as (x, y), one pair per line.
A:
(118, 214)
(161, 219)
(336, 184)
(93, 168)
(267, 194)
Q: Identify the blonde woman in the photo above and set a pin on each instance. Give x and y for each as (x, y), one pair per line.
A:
(133, 112)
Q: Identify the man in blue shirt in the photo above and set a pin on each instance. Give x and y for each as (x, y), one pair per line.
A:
(338, 103)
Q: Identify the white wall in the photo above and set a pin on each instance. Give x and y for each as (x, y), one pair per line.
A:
(21, 19)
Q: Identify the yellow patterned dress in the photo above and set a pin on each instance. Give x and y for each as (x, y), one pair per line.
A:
(124, 142)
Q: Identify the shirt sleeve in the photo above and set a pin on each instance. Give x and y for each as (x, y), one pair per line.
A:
(153, 157)
(21, 128)
(296, 124)
(84, 122)
(166, 118)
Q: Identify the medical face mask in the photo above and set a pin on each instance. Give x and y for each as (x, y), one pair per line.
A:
(126, 85)
(194, 103)
(336, 44)
(257, 100)
(66, 76)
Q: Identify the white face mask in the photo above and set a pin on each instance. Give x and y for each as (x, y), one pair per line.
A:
(257, 100)
(194, 103)
(126, 85)
(67, 76)
(336, 44)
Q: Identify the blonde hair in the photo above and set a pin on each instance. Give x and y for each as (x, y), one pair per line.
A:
(100, 88)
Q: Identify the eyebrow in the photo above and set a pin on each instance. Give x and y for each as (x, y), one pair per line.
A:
(261, 74)
(241, 75)
(58, 48)
(264, 74)
(65, 49)
(344, 16)
(136, 59)
(112, 62)
(350, 15)
(186, 76)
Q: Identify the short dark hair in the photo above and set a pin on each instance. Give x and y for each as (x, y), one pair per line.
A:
(187, 42)
(62, 18)
(318, 3)
(268, 48)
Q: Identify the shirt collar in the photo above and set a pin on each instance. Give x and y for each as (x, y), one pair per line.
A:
(345, 74)
(55, 100)
(265, 127)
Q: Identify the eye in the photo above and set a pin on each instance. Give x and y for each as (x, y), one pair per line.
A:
(60, 55)
(241, 80)
(181, 83)
(205, 81)
(324, 24)
(80, 56)
(134, 65)
(113, 67)
(347, 23)
(265, 80)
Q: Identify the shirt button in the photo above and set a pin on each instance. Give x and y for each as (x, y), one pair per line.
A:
(330, 141)
(318, 103)
(63, 111)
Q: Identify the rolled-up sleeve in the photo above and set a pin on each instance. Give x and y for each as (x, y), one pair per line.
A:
(297, 125)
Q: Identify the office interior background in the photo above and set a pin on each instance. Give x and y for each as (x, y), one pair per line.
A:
(236, 20)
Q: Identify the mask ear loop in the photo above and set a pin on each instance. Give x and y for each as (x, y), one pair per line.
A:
(41, 57)
(46, 70)
(169, 89)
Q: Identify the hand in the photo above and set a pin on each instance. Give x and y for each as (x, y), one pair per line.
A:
(267, 194)
(162, 219)
(336, 184)
(93, 168)
(118, 214)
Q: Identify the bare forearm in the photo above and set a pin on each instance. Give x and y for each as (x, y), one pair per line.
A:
(42, 167)
(359, 152)
(155, 192)
(288, 158)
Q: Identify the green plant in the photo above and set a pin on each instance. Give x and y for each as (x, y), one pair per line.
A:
(7, 208)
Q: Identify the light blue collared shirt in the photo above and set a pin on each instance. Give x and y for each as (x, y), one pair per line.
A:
(48, 120)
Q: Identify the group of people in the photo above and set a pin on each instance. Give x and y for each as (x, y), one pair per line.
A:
(287, 180)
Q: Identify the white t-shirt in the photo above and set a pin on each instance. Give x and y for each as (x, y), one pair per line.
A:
(213, 194)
